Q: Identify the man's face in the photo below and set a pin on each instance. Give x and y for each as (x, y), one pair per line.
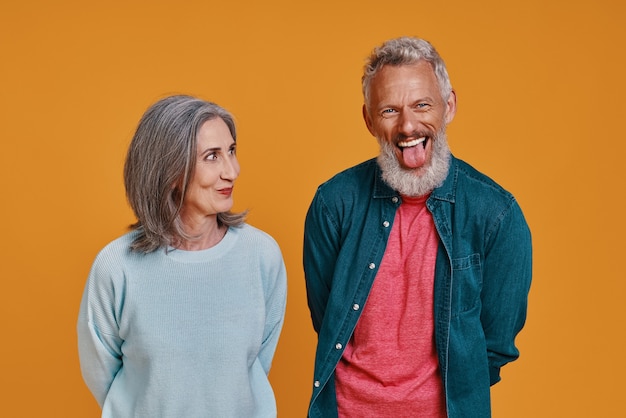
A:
(406, 112)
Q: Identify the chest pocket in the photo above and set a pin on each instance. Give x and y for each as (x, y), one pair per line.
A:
(467, 282)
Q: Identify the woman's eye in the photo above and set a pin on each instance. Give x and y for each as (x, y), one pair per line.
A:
(211, 157)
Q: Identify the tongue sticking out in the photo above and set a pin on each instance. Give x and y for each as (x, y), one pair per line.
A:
(414, 157)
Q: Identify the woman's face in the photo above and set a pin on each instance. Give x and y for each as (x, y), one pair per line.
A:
(211, 188)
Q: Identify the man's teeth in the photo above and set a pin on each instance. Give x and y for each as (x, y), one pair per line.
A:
(411, 143)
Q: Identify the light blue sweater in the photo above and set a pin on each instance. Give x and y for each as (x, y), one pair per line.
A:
(184, 333)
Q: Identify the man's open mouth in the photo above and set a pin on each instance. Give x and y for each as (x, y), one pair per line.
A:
(414, 151)
(413, 142)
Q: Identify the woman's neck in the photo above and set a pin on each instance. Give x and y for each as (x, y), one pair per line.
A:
(203, 235)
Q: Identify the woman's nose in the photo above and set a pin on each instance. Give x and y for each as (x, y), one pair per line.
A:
(230, 169)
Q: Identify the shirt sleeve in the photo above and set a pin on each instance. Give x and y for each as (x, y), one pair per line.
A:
(99, 343)
(507, 272)
(321, 249)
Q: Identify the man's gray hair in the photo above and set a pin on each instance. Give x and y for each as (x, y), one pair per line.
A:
(160, 164)
(405, 51)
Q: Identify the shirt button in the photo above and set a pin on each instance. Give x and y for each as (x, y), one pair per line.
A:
(386, 224)
(394, 199)
(316, 383)
(372, 266)
(355, 307)
(338, 346)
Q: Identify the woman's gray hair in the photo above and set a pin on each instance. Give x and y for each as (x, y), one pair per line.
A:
(405, 51)
(160, 163)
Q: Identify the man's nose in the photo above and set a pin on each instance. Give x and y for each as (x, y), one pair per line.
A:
(409, 122)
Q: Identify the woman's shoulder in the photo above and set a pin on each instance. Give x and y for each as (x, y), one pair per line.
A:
(111, 262)
(119, 246)
(117, 252)
(256, 236)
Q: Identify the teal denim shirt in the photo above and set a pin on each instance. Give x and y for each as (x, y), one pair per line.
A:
(482, 277)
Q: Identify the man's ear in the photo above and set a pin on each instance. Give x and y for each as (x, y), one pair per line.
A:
(451, 107)
(368, 121)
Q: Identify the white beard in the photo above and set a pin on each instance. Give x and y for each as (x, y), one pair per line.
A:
(416, 182)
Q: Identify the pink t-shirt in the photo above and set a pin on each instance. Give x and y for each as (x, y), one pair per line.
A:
(389, 367)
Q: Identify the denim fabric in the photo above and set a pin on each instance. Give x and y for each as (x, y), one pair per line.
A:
(482, 277)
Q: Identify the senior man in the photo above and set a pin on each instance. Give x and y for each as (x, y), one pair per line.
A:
(417, 266)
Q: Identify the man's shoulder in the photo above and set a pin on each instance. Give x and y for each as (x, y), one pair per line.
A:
(472, 181)
(476, 192)
(351, 177)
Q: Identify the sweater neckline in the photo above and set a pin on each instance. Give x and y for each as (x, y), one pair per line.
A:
(208, 254)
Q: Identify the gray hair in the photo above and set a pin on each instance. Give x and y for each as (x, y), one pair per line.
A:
(160, 164)
(405, 51)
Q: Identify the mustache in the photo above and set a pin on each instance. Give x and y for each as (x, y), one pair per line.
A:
(413, 135)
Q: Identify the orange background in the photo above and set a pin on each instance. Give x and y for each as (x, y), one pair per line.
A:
(540, 88)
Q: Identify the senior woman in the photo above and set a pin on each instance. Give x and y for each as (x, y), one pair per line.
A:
(181, 316)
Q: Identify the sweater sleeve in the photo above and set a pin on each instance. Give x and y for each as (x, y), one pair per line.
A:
(99, 343)
(275, 288)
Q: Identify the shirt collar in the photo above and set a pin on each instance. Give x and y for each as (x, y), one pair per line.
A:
(447, 191)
